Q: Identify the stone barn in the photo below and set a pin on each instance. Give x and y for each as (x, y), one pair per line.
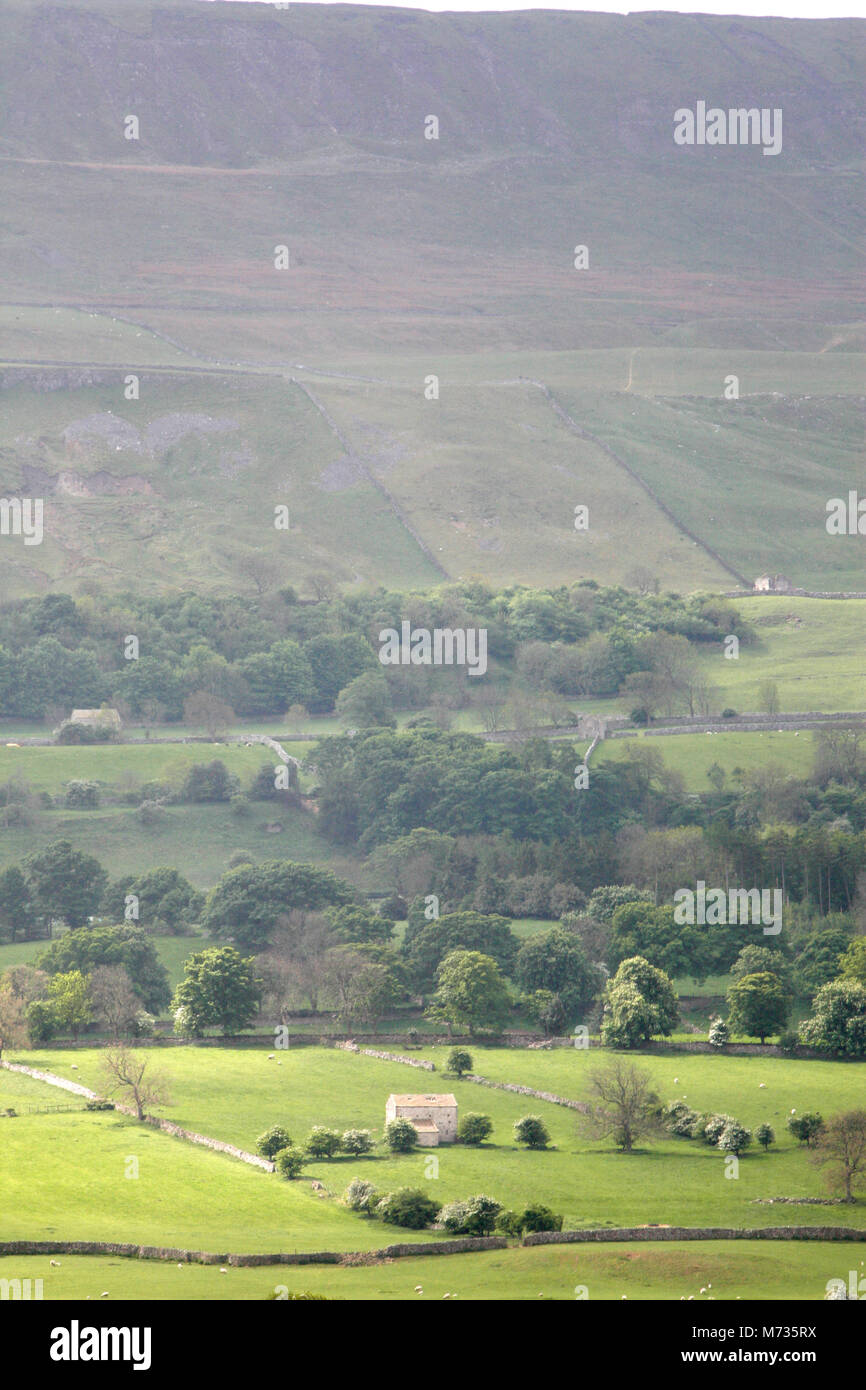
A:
(773, 584)
(434, 1117)
(104, 718)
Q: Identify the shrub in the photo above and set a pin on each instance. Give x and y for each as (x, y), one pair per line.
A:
(239, 857)
(87, 733)
(322, 1142)
(475, 1217)
(639, 715)
(532, 1131)
(361, 1195)
(806, 1127)
(509, 1223)
(290, 1161)
(680, 1119)
(540, 1218)
(42, 1021)
(356, 1141)
(400, 1136)
(459, 1061)
(765, 1135)
(789, 1040)
(734, 1138)
(272, 1141)
(713, 1126)
(81, 796)
(718, 1035)
(409, 1207)
(394, 908)
(474, 1129)
(99, 1105)
(144, 1025)
(239, 805)
(729, 713)
(455, 1216)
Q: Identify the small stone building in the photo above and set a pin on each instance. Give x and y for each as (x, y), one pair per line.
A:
(773, 584)
(104, 718)
(434, 1117)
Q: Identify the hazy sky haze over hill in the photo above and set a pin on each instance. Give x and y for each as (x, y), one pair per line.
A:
(755, 9)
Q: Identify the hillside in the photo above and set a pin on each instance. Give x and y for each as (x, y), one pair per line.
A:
(412, 258)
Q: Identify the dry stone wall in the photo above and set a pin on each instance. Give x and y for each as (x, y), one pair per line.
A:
(526, 1091)
(205, 1257)
(695, 1233)
(386, 1056)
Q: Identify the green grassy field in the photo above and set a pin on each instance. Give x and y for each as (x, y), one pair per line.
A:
(235, 1094)
(197, 840)
(636, 1270)
(125, 765)
(692, 755)
(812, 648)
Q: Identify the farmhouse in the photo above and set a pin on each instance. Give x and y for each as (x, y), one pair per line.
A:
(773, 584)
(434, 1117)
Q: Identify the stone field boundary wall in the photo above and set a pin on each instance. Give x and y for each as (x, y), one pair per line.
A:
(205, 1257)
(467, 1076)
(696, 1233)
(386, 1056)
(424, 1248)
(526, 1091)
